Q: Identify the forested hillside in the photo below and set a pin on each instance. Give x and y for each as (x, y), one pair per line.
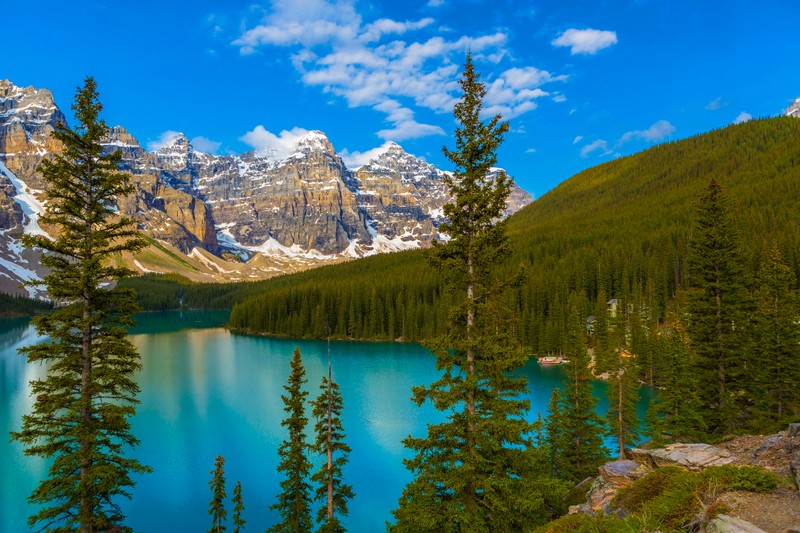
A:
(619, 230)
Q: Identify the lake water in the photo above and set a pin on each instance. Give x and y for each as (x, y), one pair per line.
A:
(206, 392)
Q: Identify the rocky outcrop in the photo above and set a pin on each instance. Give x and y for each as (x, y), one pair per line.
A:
(612, 477)
(28, 116)
(690, 456)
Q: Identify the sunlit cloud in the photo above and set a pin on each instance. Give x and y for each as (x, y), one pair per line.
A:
(393, 67)
(599, 145)
(203, 144)
(587, 41)
(658, 131)
(164, 140)
(268, 144)
(742, 117)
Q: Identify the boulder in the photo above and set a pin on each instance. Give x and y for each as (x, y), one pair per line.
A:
(694, 457)
(728, 524)
(613, 476)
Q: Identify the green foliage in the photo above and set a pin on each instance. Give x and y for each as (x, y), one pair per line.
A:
(675, 414)
(471, 472)
(775, 368)
(238, 507)
(331, 488)
(216, 507)
(718, 312)
(672, 498)
(294, 501)
(669, 499)
(80, 417)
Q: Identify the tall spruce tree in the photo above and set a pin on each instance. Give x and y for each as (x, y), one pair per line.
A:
(583, 428)
(216, 507)
(329, 479)
(294, 501)
(778, 336)
(718, 310)
(80, 417)
(238, 508)
(469, 471)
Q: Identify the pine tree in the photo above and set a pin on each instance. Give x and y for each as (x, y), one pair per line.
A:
(469, 471)
(718, 312)
(238, 507)
(583, 428)
(623, 393)
(555, 433)
(80, 418)
(216, 507)
(778, 346)
(601, 335)
(294, 501)
(330, 444)
(675, 414)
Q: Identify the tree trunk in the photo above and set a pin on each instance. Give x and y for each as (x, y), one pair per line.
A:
(330, 452)
(621, 434)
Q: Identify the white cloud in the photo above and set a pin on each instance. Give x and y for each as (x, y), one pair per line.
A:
(743, 117)
(391, 66)
(165, 139)
(358, 159)
(714, 104)
(559, 98)
(588, 41)
(577, 139)
(658, 131)
(594, 146)
(203, 144)
(278, 146)
(530, 151)
(435, 3)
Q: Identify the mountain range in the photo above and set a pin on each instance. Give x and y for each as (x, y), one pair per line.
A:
(226, 217)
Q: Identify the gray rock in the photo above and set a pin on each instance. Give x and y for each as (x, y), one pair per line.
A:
(728, 524)
(794, 467)
(766, 445)
(793, 430)
(690, 456)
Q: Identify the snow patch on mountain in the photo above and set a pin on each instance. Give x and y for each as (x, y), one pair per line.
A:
(27, 200)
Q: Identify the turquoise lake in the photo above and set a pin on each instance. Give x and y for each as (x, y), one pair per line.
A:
(206, 392)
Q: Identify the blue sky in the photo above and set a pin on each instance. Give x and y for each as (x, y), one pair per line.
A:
(580, 82)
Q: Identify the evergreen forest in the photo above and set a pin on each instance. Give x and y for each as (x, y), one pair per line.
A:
(619, 231)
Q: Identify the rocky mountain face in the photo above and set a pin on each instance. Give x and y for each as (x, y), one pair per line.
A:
(229, 217)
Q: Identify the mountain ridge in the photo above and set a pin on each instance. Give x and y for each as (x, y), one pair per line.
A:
(258, 213)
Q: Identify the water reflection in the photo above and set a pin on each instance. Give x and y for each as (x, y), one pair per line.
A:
(206, 392)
